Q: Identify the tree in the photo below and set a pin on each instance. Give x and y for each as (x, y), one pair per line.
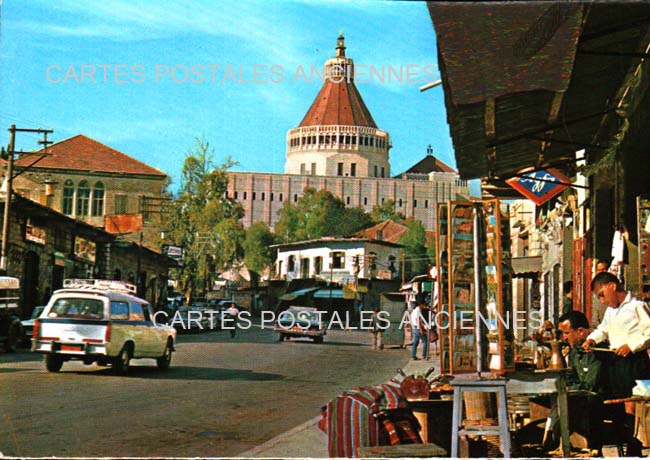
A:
(205, 221)
(386, 211)
(415, 252)
(257, 251)
(316, 214)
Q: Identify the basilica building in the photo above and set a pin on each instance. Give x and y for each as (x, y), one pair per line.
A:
(338, 147)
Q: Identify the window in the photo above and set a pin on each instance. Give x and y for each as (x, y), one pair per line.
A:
(263, 196)
(399, 203)
(295, 197)
(291, 263)
(426, 203)
(376, 170)
(119, 310)
(339, 171)
(254, 195)
(382, 171)
(271, 196)
(347, 200)
(365, 200)
(236, 194)
(318, 265)
(353, 169)
(120, 204)
(338, 259)
(280, 198)
(313, 169)
(68, 197)
(83, 198)
(415, 203)
(302, 169)
(98, 200)
(136, 312)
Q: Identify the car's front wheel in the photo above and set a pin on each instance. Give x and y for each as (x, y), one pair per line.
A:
(53, 362)
(122, 362)
(165, 360)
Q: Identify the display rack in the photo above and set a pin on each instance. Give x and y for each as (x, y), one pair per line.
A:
(643, 226)
(476, 304)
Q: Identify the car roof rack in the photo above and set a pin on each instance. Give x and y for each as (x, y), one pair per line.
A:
(113, 285)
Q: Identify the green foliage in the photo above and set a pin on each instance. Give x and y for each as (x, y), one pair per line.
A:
(258, 254)
(415, 252)
(205, 222)
(317, 214)
(386, 211)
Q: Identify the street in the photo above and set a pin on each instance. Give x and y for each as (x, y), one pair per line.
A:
(221, 397)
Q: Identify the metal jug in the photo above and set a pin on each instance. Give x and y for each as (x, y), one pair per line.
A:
(557, 360)
(540, 357)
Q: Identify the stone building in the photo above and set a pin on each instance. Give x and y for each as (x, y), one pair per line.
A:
(338, 147)
(92, 182)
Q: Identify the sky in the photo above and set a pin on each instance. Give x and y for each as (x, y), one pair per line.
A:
(147, 78)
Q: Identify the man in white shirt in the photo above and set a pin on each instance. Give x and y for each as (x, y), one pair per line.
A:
(419, 328)
(626, 325)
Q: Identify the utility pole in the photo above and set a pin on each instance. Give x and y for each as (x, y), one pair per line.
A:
(9, 176)
(403, 264)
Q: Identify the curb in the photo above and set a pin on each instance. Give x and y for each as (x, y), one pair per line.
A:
(282, 437)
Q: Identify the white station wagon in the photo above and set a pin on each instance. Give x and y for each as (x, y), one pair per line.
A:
(100, 321)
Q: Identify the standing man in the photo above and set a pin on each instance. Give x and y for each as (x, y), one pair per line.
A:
(377, 331)
(232, 312)
(419, 328)
(626, 325)
(597, 307)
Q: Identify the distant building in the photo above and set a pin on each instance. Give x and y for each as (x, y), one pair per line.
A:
(338, 147)
(339, 260)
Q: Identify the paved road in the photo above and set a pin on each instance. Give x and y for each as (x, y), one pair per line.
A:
(221, 397)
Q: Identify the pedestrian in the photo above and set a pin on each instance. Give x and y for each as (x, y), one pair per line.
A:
(232, 312)
(419, 328)
(377, 331)
(597, 307)
(567, 304)
(626, 325)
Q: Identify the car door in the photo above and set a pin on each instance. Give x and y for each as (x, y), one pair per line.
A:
(137, 325)
(154, 338)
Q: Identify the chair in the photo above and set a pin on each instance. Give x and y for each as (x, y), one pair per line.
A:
(497, 386)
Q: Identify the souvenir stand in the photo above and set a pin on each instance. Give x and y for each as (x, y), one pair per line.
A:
(473, 251)
(643, 225)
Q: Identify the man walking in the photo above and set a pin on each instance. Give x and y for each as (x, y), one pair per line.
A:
(419, 328)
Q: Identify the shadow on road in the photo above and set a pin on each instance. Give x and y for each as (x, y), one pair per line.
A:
(20, 357)
(188, 373)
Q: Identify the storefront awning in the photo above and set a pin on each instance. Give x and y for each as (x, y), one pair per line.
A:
(523, 267)
(295, 294)
(326, 293)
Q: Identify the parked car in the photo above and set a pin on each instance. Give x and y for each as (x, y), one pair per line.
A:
(100, 321)
(300, 322)
(28, 324)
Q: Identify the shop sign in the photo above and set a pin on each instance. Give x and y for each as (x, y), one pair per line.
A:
(59, 259)
(84, 249)
(540, 186)
(174, 252)
(34, 233)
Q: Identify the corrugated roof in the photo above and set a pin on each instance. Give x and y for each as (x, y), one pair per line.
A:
(388, 230)
(82, 153)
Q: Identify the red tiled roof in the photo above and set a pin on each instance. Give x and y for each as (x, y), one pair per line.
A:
(85, 154)
(427, 165)
(388, 230)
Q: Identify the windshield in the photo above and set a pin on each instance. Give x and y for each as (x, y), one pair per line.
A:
(77, 308)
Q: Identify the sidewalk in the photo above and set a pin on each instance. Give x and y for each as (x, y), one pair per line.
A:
(307, 440)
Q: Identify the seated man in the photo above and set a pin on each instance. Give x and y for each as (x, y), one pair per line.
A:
(586, 383)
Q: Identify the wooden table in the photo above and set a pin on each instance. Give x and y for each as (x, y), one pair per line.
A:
(545, 382)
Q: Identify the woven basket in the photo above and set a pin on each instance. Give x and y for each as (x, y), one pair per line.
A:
(480, 406)
(493, 442)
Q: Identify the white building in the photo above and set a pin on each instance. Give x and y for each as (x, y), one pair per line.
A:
(339, 260)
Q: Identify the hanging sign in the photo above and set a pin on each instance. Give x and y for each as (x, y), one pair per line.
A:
(540, 186)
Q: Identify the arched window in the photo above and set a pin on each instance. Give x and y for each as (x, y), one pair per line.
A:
(83, 198)
(98, 200)
(291, 264)
(68, 197)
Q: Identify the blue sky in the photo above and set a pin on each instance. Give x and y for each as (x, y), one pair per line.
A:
(155, 118)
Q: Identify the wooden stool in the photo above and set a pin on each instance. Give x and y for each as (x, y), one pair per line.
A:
(497, 386)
